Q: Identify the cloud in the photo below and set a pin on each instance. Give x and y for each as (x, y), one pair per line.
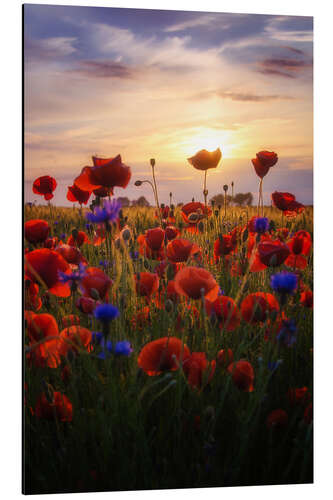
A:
(204, 20)
(285, 67)
(49, 48)
(249, 97)
(104, 69)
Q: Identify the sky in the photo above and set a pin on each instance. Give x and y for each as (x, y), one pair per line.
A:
(165, 84)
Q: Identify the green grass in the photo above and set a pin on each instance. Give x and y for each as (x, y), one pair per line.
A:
(131, 431)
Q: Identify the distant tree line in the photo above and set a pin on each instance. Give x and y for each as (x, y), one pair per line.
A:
(239, 199)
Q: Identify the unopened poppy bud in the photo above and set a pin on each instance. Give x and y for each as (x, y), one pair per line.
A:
(94, 294)
(193, 199)
(162, 205)
(137, 183)
(225, 187)
(152, 162)
(232, 183)
(219, 207)
(126, 234)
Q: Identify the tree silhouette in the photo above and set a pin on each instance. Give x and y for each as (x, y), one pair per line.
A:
(140, 202)
(125, 202)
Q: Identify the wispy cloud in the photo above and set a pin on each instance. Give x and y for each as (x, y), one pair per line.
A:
(245, 96)
(104, 69)
(199, 21)
(49, 48)
(287, 68)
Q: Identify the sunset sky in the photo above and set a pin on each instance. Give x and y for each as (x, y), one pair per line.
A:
(165, 84)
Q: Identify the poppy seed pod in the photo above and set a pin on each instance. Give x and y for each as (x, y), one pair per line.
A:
(137, 183)
(225, 187)
(152, 162)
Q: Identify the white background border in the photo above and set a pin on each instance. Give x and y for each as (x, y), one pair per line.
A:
(11, 222)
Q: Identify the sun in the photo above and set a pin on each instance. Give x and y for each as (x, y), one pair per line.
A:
(209, 139)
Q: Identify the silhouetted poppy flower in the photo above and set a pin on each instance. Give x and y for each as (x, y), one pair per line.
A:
(57, 405)
(74, 338)
(78, 239)
(257, 307)
(171, 232)
(36, 230)
(224, 245)
(242, 375)
(226, 312)
(46, 264)
(225, 357)
(44, 186)
(195, 282)
(74, 193)
(277, 419)
(71, 254)
(298, 395)
(95, 280)
(203, 160)
(107, 173)
(70, 320)
(180, 250)
(40, 326)
(164, 354)
(306, 299)
(263, 162)
(287, 203)
(273, 253)
(308, 414)
(198, 370)
(146, 284)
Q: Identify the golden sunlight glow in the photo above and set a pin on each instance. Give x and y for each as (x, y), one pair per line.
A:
(209, 139)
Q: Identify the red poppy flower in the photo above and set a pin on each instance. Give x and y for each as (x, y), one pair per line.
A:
(198, 370)
(203, 160)
(46, 264)
(78, 240)
(257, 307)
(155, 238)
(40, 326)
(141, 319)
(146, 284)
(70, 320)
(74, 338)
(306, 299)
(287, 203)
(171, 232)
(100, 236)
(55, 406)
(273, 253)
(225, 357)
(74, 193)
(171, 292)
(45, 186)
(165, 354)
(195, 211)
(51, 243)
(71, 254)
(282, 233)
(299, 246)
(107, 173)
(31, 298)
(195, 281)
(224, 245)
(45, 354)
(95, 280)
(263, 162)
(277, 419)
(86, 304)
(180, 250)
(298, 395)
(226, 312)
(102, 192)
(242, 375)
(36, 230)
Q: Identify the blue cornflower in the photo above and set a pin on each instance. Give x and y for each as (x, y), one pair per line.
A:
(287, 334)
(104, 263)
(123, 348)
(134, 255)
(261, 225)
(106, 312)
(284, 282)
(74, 276)
(63, 236)
(109, 212)
(96, 338)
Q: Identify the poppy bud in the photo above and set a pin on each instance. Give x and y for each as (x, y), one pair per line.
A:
(216, 213)
(126, 234)
(168, 306)
(225, 187)
(219, 207)
(137, 183)
(205, 192)
(152, 162)
(192, 199)
(94, 294)
(201, 227)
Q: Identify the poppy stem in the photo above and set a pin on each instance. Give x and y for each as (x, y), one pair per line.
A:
(156, 195)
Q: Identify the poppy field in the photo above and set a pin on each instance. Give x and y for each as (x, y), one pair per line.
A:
(166, 346)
